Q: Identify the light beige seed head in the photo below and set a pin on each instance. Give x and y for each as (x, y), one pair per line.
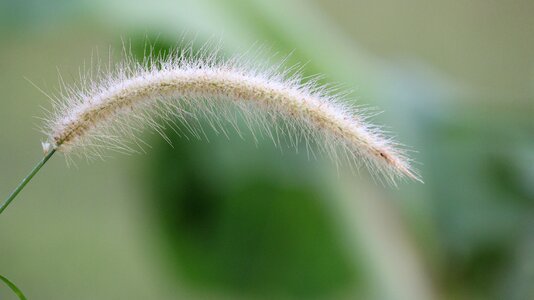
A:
(185, 87)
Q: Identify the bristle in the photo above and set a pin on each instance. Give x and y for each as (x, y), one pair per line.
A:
(185, 87)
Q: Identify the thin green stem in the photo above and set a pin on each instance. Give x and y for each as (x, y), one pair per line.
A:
(13, 287)
(27, 179)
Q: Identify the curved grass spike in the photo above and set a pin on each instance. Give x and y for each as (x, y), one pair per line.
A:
(108, 110)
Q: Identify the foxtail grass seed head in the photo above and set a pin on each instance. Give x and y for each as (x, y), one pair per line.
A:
(109, 109)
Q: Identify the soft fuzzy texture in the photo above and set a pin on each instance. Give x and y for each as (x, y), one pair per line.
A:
(185, 87)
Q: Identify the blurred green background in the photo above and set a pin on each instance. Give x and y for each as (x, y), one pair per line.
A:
(231, 220)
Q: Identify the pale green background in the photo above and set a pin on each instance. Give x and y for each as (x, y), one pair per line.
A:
(456, 82)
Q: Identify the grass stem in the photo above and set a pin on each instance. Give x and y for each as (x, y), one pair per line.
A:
(27, 179)
(13, 287)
